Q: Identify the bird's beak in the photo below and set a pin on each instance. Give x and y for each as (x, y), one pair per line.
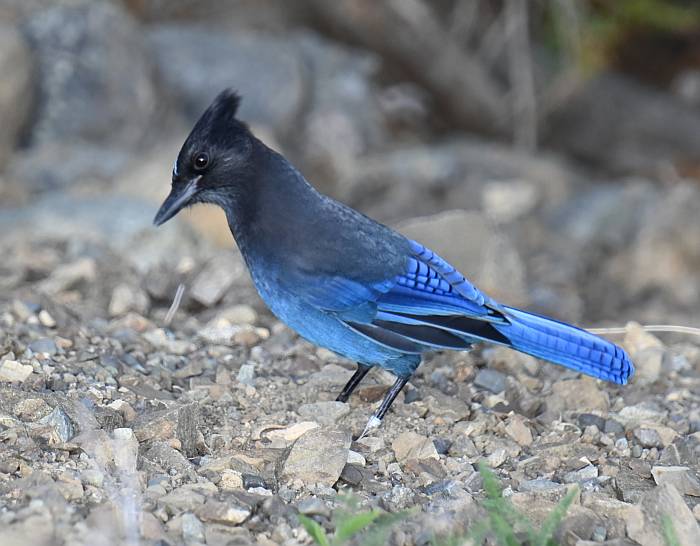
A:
(180, 195)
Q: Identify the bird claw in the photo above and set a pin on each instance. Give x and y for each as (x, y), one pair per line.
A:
(373, 423)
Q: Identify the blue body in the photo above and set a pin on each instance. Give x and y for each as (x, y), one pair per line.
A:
(356, 287)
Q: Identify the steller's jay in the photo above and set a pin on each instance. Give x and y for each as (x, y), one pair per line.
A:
(346, 282)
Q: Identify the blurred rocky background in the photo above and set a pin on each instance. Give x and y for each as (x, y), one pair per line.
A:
(550, 150)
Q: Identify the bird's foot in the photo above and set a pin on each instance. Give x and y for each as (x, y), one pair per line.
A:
(373, 423)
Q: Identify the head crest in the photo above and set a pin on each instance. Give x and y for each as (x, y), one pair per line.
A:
(227, 103)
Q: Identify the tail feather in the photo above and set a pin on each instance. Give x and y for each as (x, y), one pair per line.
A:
(566, 345)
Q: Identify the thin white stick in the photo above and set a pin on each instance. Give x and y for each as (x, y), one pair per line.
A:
(175, 304)
(649, 328)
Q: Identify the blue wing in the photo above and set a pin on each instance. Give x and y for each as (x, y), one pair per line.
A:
(433, 306)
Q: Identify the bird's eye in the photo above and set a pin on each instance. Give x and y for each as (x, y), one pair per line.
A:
(201, 160)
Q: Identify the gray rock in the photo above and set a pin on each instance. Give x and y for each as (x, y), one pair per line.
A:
(410, 445)
(624, 125)
(192, 529)
(246, 374)
(477, 248)
(313, 506)
(177, 422)
(61, 424)
(93, 73)
(31, 409)
(57, 165)
(670, 234)
(681, 477)
(227, 513)
(539, 484)
(13, 371)
(16, 89)
(576, 395)
(344, 120)
(124, 222)
(648, 437)
(196, 63)
(588, 472)
(168, 458)
(646, 523)
(185, 498)
(216, 278)
(644, 412)
(325, 413)
(44, 345)
(318, 456)
(589, 419)
(421, 180)
(127, 298)
(490, 380)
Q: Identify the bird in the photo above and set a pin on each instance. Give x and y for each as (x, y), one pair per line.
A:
(348, 283)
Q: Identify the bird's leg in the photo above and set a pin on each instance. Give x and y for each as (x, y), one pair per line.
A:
(389, 398)
(351, 385)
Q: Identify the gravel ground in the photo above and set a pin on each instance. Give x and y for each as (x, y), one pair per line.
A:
(221, 426)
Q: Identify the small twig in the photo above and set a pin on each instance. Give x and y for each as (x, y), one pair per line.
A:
(175, 304)
(649, 328)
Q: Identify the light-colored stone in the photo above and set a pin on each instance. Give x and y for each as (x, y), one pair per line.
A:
(14, 372)
(283, 437)
(644, 412)
(160, 339)
(497, 457)
(646, 351)
(70, 275)
(356, 458)
(645, 524)
(231, 480)
(325, 413)
(182, 499)
(318, 456)
(410, 445)
(581, 395)
(681, 477)
(210, 285)
(31, 409)
(653, 435)
(239, 314)
(518, 430)
(227, 513)
(127, 298)
(192, 529)
(125, 449)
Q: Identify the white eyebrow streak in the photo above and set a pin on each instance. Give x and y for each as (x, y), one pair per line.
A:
(175, 167)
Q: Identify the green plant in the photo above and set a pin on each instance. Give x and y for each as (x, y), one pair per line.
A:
(503, 519)
(374, 524)
(501, 522)
(602, 25)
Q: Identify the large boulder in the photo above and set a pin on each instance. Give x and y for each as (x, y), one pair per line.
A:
(195, 63)
(94, 79)
(619, 123)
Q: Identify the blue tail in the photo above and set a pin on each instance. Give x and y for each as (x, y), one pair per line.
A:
(566, 345)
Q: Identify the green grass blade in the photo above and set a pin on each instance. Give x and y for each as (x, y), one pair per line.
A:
(550, 525)
(378, 533)
(315, 530)
(350, 525)
(670, 536)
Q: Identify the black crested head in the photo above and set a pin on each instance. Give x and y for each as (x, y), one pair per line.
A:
(214, 164)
